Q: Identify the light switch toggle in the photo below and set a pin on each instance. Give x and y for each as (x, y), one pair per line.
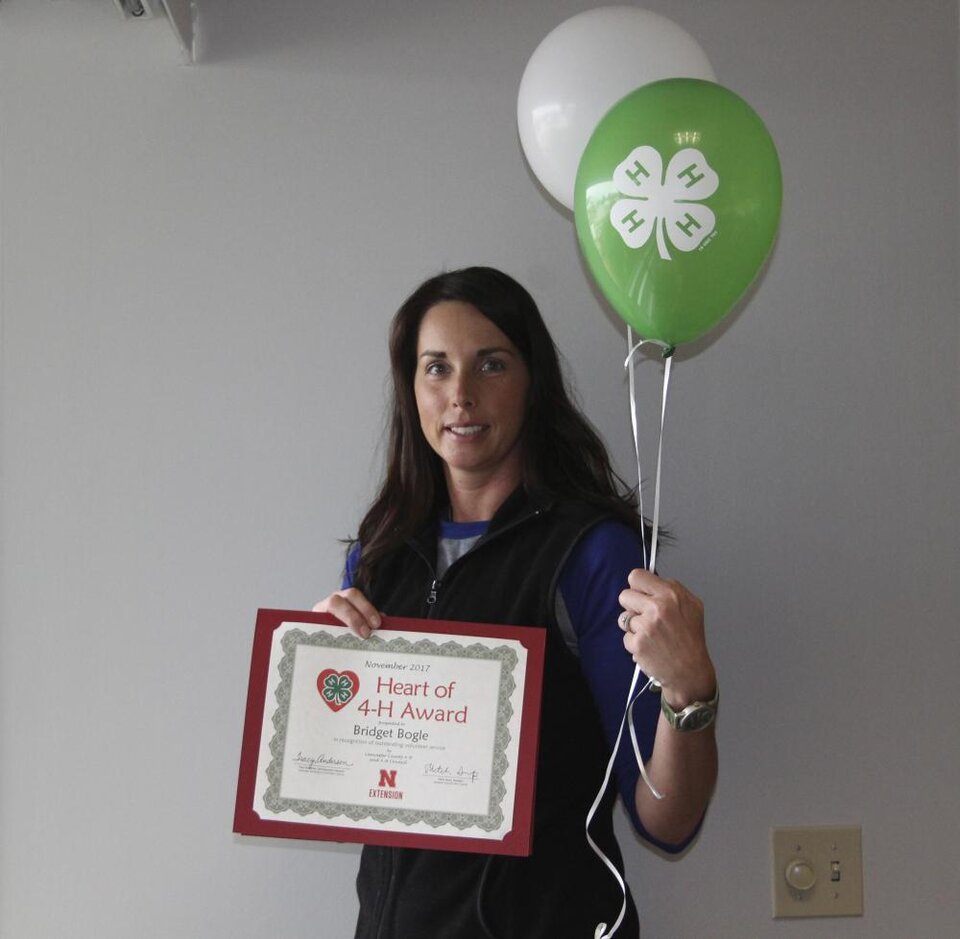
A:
(800, 875)
(835, 871)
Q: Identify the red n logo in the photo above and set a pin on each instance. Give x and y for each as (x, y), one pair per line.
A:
(388, 778)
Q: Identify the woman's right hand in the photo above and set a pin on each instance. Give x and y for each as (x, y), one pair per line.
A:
(353, 609)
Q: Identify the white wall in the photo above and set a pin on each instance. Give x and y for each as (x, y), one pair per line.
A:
(197, 268)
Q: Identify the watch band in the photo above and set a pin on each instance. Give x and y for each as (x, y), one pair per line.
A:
(696, 716)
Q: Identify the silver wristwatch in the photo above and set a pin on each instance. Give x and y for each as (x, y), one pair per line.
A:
(696, 716)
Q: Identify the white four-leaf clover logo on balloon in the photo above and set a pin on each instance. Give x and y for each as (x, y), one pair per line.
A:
(668, 203)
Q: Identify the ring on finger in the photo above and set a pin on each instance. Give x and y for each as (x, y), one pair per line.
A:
(623, 621)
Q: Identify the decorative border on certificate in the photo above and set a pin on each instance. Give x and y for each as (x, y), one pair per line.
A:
(423, 735)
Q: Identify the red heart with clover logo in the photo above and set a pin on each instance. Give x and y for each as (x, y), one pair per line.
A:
(337, 689)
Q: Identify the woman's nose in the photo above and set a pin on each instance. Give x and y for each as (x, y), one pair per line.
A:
(463, 394)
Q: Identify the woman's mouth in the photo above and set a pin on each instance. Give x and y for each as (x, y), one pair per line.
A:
(465, 430)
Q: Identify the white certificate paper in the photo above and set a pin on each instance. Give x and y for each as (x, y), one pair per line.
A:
(422, 735)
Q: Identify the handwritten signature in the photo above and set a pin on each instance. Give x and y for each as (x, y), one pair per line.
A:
(310, 762)
(443, 771)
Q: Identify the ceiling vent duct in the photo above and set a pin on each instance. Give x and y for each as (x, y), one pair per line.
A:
(138, 9)
(182, 15)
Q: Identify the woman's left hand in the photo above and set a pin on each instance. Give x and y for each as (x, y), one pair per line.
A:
(663, 631)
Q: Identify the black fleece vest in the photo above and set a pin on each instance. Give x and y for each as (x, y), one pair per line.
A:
(562, 889)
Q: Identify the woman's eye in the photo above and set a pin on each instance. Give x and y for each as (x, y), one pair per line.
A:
(435, 368)
(492, 365)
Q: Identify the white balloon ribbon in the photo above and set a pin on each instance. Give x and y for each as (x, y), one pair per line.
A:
(600, 932)
(649, 561)
(630, 366)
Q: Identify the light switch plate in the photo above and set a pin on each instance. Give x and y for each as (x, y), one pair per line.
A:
(817, 872)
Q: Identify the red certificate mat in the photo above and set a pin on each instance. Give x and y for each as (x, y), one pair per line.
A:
(424, 735)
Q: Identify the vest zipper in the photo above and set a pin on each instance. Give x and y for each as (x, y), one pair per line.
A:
(436, 581)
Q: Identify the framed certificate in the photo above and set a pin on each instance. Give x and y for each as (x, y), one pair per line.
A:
(424, 735)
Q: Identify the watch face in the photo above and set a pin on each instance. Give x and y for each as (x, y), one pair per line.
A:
(697, 719)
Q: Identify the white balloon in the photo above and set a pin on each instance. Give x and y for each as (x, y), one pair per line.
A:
(584, 67)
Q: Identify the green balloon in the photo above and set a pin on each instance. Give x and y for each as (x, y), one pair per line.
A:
(677, 203)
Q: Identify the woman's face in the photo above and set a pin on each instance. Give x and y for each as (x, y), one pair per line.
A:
(471, 388)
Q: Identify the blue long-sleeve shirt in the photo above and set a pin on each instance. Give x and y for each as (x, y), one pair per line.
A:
(589, 585)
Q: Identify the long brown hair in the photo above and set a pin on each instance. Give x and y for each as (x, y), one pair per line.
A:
(563, 456)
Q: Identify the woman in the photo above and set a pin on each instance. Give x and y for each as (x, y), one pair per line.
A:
(499, 506)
